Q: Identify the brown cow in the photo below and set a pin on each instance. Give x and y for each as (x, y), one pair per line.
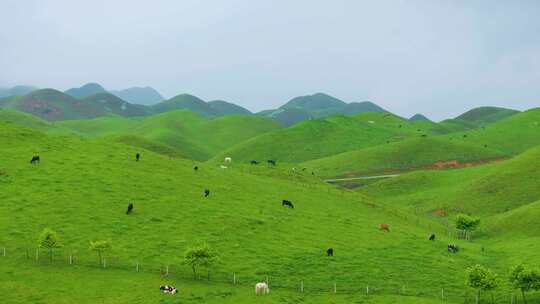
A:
(384, 227)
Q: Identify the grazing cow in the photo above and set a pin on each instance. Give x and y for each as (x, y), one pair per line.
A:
(206, 192)
(130, 208)
(424, 135)
(464, 135)
(254, 162)
(286, 203)
(271, 162)
(384, 227)
(228, 159)
(330, 252)
(195, 168)
(453, 248)
(432, 237)
(137, 156)
(261, 288)
(35, 159)
(168, 289)
(304, 169)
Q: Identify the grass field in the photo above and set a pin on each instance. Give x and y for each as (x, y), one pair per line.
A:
(88, 175)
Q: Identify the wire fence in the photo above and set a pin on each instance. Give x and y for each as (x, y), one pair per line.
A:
(87, 258)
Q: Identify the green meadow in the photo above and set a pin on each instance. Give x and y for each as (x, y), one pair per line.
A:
(88, 174)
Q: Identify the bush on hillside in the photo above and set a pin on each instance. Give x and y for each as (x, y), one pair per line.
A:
(200, 256)
(524, 279)
(49, 239)
(481, 279)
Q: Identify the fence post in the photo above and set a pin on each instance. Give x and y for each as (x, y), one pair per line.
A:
(167, 270)
(137, 267)
(4, 253)
(367, 289)
(104, 263)
(335, 287)
(37, 254)
(70, 258)
(234, 278)
(442, 294)
(302, 286)
(267, 280)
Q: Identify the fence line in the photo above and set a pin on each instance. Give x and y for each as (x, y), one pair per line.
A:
(333, 286)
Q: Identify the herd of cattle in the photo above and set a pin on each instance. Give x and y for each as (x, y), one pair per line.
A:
(262, 287)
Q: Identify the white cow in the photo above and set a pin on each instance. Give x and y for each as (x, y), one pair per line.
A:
(228, 159)
(223, 167)
(261, 288)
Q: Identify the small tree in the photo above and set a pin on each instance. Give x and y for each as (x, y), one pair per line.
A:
(48, 239)
(466, 223)
(200, 256)
(524, 279)
(100, 247)
(481, 278)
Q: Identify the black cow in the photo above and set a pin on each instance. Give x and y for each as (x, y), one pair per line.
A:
(168, 289)
(130, 208)
(330, 252)
(254, 162)
(286, 203)
(206, 192)
(432, 237)
(271, 162)
(196, 168)
(424, 135)
(35, 159)
(453, 248)
(137, 156)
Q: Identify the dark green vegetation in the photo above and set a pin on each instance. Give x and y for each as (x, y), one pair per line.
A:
(88, 175)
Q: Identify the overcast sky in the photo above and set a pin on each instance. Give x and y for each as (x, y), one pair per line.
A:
(435, 57)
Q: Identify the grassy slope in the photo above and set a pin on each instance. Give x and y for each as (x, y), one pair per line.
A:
(188, 133)
(486, 115)
(399, 156)
(483, 190)
(242, 219)
(21, 118)
(323, 137)
(504, 138)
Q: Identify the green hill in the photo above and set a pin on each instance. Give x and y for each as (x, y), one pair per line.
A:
(511, 135)
(182, 131)
(115, 105)
(53, 105)
(486, 115)
(418, 117)
(318, 105)
(226, 108)
(24, 119)
(81, 189)
(187, 102)
(410, 154)
(86, 90)
(501, 139)
(482, 190)
(313, 139)
(139, 95)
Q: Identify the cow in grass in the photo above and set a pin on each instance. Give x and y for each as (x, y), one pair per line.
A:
(453, 248)
(261, 289)
(206, 192)
(384, 227)
(196, 168)
(168, 289)
(432, 237)
(286, 203)
(137, 156)
(271, 162)
(35, 159)
(254, 162)
(129, 208)
(330, 252)
(228, 160)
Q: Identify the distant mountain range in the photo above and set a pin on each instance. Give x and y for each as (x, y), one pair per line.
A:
(318, 105)
(145, 96)
(16, 91)
(93, 100)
